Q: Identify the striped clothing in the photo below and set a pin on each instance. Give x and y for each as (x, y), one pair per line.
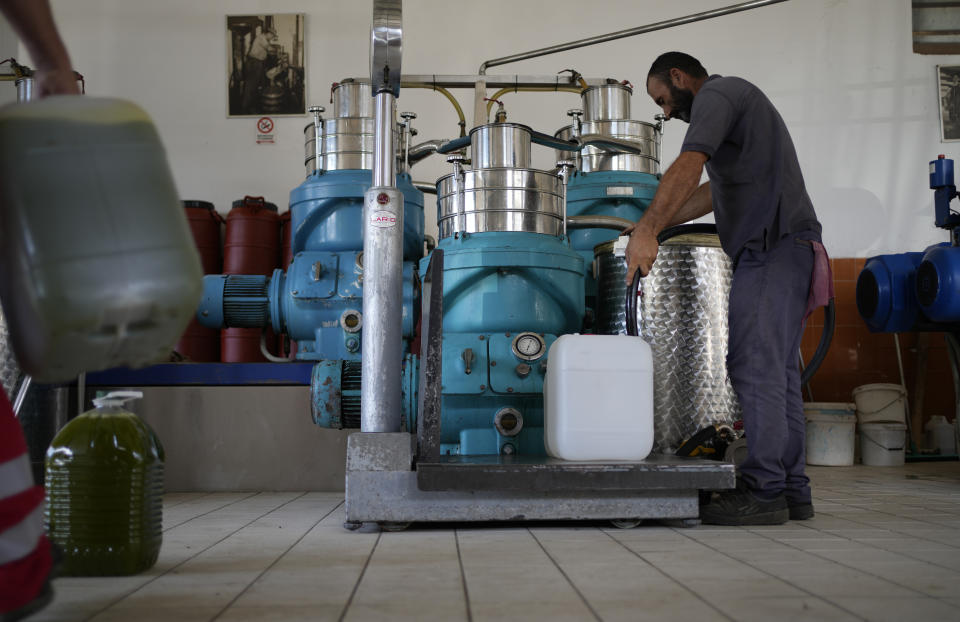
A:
(25, 560)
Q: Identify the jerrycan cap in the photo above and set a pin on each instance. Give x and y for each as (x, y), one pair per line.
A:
(116, 398)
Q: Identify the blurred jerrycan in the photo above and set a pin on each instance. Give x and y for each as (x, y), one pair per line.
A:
(97, 264)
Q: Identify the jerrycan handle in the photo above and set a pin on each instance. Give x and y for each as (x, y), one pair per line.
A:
(116, 398)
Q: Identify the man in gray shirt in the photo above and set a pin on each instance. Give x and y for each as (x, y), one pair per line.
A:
(767, 224)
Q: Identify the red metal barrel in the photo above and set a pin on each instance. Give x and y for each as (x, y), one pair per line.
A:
(252, 241)
(251, 246)
(205, 225)
(199, 343)
(242, 345)
(285, 236)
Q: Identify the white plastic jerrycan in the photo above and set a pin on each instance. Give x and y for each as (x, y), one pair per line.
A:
(97, 264)
(598, 398)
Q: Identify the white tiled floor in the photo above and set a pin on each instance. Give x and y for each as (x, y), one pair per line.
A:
(885, 545)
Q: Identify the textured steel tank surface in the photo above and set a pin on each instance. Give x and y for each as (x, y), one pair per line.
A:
(9, 370)
(683, 316)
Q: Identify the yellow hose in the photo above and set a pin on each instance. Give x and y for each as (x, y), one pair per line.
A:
(445, 93)
(537, 89)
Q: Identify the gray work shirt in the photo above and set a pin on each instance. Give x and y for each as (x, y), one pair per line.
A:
(755, 179)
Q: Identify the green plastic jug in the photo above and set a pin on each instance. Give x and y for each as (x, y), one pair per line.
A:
(104, 490)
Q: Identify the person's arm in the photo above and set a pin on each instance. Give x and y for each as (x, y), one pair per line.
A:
(676, 188)
(33, 22)
(699, 204)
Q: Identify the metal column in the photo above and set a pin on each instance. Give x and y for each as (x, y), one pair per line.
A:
(383, 235)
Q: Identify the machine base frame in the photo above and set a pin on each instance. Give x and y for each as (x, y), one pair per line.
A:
(382, 486)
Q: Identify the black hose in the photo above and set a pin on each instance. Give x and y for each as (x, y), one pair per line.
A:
(829, 311)
(697, 227)
(631, 305)
(553, 142)
(829, 322)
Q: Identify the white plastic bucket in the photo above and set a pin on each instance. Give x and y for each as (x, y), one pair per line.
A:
(883, 444)
(881, 403)
(830, 433)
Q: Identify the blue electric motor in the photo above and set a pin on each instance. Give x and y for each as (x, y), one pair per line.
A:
(917, 291)
(886, 297)
(318, 300)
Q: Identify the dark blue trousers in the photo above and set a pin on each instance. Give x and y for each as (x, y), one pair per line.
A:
(768, 298)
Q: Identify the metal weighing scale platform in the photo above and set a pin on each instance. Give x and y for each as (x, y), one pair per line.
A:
(385, 485)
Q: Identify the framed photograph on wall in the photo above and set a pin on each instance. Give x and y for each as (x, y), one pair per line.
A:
(948, 83)
(265, 65)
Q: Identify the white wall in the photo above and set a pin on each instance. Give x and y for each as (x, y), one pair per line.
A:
(861, 106)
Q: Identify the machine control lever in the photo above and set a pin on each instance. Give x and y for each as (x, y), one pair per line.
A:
(468, 358)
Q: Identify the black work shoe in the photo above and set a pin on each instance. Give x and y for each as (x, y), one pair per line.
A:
(800, 511)
(741, 507)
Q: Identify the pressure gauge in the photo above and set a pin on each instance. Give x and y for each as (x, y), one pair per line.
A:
(528, 346)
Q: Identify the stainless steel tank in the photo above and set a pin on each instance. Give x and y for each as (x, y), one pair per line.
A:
(352, 98)
(500, 193)
(9, 369)
(500, 145)
(606, 101)
(641, 135)
(501, 199)
(606, 112)
(683, 316)
(345, 140)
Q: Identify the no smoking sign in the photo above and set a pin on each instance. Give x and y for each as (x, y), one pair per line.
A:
(265, 131)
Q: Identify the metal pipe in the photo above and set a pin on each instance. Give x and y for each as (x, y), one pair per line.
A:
(466, 81)
(384, 166)
(462, 122)
(425, 187)
(609, 143)
(565, 167)
(24, 90)
(422, 150)
(21, 394)
(620, 34)
(530, 89)
(457, 161)
(380, 380)
(597, 221)
(380, 377)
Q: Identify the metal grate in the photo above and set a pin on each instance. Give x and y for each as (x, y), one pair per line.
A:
(350, 394)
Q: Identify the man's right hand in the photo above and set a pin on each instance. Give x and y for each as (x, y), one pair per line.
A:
(641, 250)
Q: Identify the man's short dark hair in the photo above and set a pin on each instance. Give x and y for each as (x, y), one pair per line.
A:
(669, 60)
